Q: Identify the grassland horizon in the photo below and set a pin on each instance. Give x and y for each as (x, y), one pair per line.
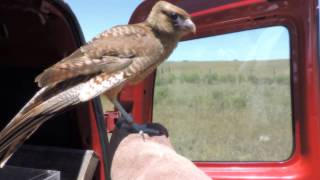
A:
(226, 110)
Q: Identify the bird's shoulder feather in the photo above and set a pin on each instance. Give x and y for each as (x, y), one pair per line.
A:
(111, 51)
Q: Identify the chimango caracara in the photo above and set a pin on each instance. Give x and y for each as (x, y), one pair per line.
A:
(120, 55)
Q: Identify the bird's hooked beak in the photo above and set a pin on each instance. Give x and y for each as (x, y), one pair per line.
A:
(188, 25)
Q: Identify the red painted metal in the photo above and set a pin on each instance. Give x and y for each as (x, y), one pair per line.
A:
(219, 17)
(226, 6)
(95, 141)
(111, 117)
(138, 96)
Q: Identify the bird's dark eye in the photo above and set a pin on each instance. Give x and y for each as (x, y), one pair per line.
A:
(173, 16)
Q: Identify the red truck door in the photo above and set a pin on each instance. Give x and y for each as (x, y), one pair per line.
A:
(241, 97)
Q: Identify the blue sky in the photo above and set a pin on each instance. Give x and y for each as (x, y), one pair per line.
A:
(95, 16)
(257, 44)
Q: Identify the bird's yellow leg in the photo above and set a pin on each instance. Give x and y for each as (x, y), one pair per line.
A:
(133, 127)
(123, 112)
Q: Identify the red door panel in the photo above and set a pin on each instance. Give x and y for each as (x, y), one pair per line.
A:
(224, 16)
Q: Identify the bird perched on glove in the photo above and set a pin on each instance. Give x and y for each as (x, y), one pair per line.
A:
(123, 54)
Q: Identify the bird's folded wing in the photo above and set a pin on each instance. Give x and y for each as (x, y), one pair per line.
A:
(111, 51)
(82, 66)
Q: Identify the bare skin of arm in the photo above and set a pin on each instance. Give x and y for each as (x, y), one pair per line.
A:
(137, 156)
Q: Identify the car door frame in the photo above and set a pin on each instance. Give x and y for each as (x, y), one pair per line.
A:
(226, 16)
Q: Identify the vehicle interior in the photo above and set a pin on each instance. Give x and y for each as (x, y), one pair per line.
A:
(35, 34)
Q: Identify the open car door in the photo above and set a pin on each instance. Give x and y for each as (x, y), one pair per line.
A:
(241, 97)
(35, 34)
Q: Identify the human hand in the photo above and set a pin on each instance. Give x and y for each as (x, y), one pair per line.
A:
(140, 156)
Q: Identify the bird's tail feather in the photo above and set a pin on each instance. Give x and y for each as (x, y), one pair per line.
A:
(13, 141)
(27, 121)
(12, 137)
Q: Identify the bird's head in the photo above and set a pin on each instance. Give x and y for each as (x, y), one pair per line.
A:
(170, 19)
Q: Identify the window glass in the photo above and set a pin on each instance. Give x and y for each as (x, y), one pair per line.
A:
(228, 97)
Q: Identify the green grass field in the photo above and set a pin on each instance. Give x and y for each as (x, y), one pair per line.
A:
(226, 111)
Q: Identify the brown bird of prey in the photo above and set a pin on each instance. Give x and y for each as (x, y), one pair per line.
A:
(123, 54)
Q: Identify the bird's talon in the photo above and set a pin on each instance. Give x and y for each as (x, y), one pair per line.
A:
(142, 135)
